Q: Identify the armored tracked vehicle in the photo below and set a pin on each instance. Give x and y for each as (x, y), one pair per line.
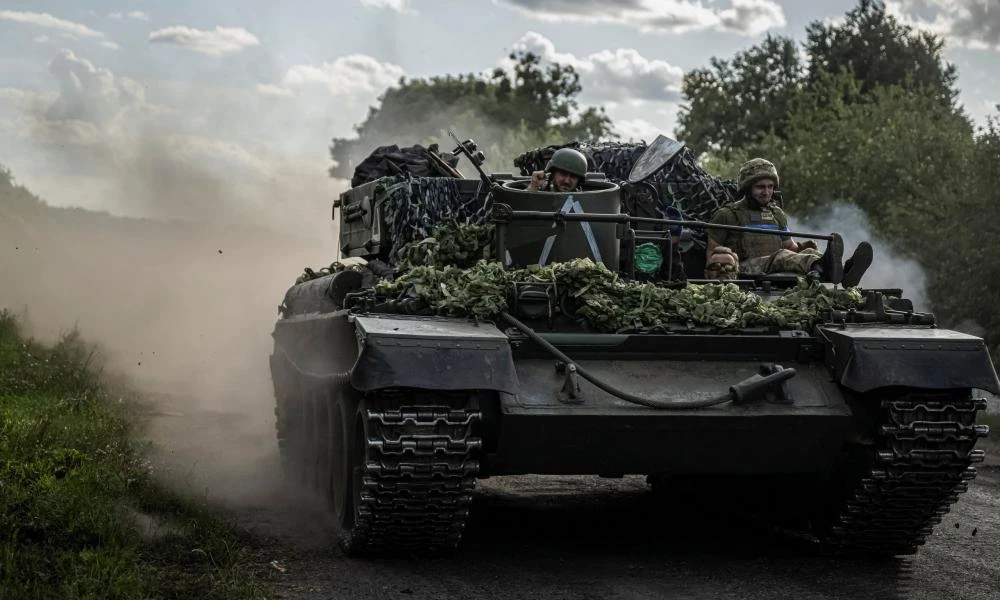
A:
(393, 397)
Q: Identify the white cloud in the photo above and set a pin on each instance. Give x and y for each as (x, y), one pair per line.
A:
(636, 129)
(88, 93)
(221, 40)
(612, 75)
(138, 15)
(267, 89)
(347, 75)
(747, 17)
(69, 29)
(396, 5)
(970, 23)
(24, 100)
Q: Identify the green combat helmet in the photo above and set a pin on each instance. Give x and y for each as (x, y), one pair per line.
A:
(569, 160)
(753, 171)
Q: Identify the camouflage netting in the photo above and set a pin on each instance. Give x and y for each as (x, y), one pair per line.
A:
(681, 182)
(413, 206)
(609, 303)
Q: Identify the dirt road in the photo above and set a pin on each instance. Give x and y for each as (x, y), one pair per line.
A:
(571, 537)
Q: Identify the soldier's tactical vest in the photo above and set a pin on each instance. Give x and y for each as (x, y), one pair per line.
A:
(752, 245)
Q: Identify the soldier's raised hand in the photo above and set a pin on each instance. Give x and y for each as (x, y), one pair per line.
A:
(537, 180)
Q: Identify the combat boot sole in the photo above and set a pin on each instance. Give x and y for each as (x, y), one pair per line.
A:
(832, 259)
(857, 264)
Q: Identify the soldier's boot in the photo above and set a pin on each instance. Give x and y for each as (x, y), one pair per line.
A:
(857, 264)
(830, 265)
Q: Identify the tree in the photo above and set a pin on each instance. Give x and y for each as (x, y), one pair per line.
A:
(970, 275)
(531, 103)
(739, 102)
(880, 51)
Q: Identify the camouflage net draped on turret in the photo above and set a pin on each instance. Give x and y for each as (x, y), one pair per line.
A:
(681, 182)
(609, 303)
(413, 206)
(450, 245)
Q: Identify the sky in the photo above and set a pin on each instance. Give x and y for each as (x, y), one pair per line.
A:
(225, 108)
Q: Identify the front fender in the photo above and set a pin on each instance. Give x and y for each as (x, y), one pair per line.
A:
(432, 353)
(864, 358)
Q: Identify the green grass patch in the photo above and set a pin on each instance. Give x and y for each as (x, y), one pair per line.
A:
(80, 514)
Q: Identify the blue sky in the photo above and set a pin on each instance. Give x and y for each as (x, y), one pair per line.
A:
(175, 108)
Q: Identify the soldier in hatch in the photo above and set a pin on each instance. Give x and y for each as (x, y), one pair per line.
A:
(722, 265)
(564, 172)
(768, 253)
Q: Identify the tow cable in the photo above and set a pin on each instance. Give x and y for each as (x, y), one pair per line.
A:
(747, 391)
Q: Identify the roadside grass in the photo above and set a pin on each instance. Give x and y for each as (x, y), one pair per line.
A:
(80, 514)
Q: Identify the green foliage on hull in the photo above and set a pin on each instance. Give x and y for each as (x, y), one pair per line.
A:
(609, 303)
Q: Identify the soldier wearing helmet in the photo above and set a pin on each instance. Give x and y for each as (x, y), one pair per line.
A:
(769, 253)
(564, 172)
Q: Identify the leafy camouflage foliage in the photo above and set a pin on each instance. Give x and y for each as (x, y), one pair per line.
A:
(609, 303)
(451, 245)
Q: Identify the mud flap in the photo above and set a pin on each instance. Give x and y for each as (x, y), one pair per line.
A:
(864, 358)
(432, 354)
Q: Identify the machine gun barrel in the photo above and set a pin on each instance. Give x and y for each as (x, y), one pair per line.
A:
(475, 159)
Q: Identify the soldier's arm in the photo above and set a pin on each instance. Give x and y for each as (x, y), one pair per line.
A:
(786, 240)
(720, 237)
(790, 244)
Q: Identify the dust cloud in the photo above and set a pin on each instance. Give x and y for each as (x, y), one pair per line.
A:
(181, 309)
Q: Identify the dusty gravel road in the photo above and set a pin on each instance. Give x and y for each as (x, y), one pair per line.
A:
(567, 537)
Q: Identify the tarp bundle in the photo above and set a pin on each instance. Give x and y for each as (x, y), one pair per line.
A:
(609, 303)
(415, 161)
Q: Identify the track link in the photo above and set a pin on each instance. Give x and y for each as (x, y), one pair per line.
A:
(419, 472)
(921, 466)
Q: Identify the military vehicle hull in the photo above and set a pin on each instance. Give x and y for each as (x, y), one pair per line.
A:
(394, 418)
(393, 413)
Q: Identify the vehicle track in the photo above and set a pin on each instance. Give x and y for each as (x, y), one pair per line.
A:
(574, 537)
